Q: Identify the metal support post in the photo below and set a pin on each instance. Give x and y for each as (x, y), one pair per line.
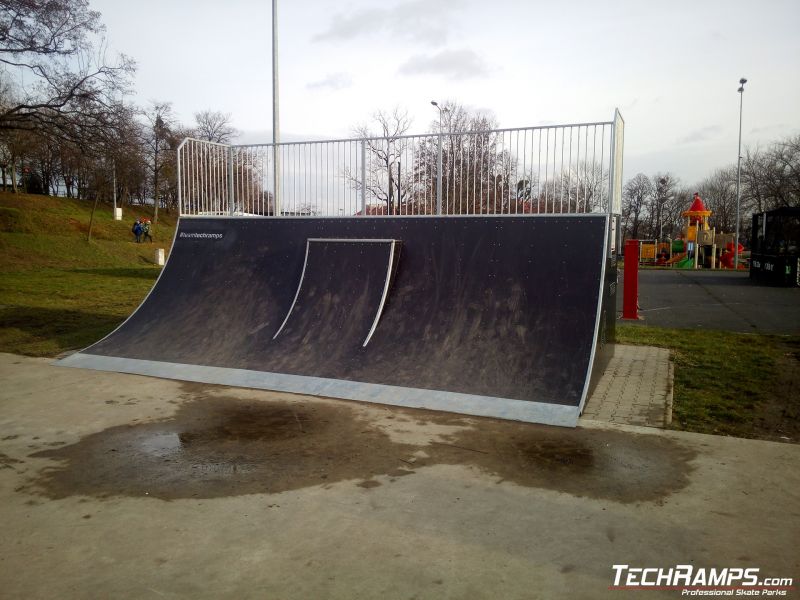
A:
(742, 81)
(439, 177)
(179, 154)
(364, 178)
(231, 200)
(276, 127)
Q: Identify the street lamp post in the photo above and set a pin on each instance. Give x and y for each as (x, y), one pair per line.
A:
(439, 160)
(276, 126)
(742, 81)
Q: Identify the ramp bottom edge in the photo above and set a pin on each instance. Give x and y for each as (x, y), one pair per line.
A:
(455, 402)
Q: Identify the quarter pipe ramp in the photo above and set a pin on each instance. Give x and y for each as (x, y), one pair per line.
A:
(503, 316)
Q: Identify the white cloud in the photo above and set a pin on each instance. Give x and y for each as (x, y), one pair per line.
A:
(452, 64)
(703, 134)
(419, 21)
(333, 82)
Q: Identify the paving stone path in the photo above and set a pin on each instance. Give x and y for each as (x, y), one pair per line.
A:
(636, 388)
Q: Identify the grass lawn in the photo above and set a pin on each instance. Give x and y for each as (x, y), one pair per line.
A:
(59, 292)
(745, 385)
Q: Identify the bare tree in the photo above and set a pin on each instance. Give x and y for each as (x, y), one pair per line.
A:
(663, 191)
(214, 126)
(678, 201)
(635, 196)
(718, 192)
(66, 87)
(771, 177)
(160, 121)
(479, 175)
(385, 147)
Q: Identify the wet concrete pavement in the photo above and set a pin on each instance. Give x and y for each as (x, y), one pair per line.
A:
(121, 486)
(706, 299)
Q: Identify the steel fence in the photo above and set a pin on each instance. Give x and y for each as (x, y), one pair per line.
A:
(574, 168)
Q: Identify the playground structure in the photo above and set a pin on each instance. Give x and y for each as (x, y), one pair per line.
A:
(699, 246)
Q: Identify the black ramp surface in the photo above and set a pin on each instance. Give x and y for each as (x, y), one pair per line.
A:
(339, 299)
(486, 315)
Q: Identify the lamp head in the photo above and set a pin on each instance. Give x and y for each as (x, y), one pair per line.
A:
(436, 104)
(742, 81)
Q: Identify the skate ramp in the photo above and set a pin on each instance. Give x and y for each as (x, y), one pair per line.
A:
(504, 316)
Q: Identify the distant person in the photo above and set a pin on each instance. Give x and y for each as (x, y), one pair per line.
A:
(137, 230)
(726, 260)
(146, 231)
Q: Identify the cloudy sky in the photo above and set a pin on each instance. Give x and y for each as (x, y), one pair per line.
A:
(672, 67)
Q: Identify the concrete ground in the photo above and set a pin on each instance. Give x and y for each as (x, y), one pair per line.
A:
(707, 299)
(119, 486)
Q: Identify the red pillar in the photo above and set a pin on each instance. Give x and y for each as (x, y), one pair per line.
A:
(630, 292)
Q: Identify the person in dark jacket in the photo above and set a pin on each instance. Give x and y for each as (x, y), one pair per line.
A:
(137, 230)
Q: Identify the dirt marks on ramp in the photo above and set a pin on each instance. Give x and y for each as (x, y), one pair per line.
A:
(217, 445)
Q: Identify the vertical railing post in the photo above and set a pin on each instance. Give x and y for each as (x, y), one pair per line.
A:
(615, 169)
(439, 177)
(180, 195)
(231, 202)
(276, 195)
(364, 178)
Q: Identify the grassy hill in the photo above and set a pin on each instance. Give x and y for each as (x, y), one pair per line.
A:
(60, 292)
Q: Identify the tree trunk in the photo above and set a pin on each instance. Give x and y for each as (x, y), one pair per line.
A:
(14, 173)
(155, 184)
(45, 178)
(91, 218)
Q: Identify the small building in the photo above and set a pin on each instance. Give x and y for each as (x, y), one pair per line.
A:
(775, 256)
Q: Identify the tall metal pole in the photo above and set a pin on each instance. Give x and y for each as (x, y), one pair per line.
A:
(742, 81)
(439, 161)
(276, 129)
(439, 170)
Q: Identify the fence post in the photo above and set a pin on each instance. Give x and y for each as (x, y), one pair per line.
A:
(276, 163)
(363, 178)
(180, 190)
(439, 178)
(231, 202)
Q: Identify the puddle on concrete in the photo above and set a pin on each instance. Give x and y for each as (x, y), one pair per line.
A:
(217, 446)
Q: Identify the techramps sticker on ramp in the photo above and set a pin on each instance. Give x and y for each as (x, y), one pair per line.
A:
(502, 316)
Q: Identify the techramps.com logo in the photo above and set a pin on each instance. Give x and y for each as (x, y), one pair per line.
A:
(200, 236)
(700, 581)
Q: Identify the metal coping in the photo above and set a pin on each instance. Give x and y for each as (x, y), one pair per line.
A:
(392, 244)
